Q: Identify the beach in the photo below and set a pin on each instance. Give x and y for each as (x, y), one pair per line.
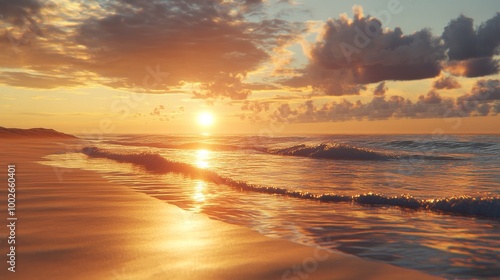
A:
(73, 224)
(249, 139)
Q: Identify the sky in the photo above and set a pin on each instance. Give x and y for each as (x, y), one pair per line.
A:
(263, 67)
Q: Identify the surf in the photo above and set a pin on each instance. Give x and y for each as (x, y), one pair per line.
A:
(488, 207)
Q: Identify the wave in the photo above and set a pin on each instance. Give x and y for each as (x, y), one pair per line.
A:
(332, 151)
(463, 205)
(338, 151)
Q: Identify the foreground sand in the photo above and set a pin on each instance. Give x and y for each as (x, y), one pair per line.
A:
(73, 224)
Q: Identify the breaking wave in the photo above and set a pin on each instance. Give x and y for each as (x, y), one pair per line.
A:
(332, 151)
(462, 205)
(338, 151)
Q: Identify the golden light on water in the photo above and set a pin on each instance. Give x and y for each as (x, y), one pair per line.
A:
(198, 196)
(202, 157)
(198, 193)
(201, 160)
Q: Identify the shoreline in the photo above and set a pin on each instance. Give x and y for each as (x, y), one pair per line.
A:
(77, 225)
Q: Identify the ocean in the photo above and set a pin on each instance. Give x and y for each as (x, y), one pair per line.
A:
(427, 202)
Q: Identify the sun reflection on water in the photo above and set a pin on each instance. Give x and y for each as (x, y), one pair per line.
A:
(202, 157)
(199, 196)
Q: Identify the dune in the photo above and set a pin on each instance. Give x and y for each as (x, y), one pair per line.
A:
(32, 133)
(73, 224)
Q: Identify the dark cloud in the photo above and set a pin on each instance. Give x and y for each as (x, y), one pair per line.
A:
(22, 23)
(380, 89)
(19, 10)
(464, 41)
(351, 53)
(484, 109)
(432, 97)
(402, 72)
(461, 40)
(473, 67)
(471, 50)
(483, 90)
(446, 82)
(361, 44)
(326, 82)
(356, 52)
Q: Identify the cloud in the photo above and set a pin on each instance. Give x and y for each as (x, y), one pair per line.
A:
(157, 110)
(18, 11)
(360, 44)
(351, 53)
(432, 97)
(473, 67)
(226, 86)
(446, 82)
(482, 100)
(379, 108)
(254, 109)
(42, 48)
(483, 90)
(155, 44)
(192, 42)
(325, 81)
(471, 50)
(26, 80)
(160, 46)
(380, 89)
(464, 42)
(255, 106)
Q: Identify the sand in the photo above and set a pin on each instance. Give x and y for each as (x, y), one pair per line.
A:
(73, 224)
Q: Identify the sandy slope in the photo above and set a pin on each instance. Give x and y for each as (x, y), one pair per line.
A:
(19, 133)
(83, 227)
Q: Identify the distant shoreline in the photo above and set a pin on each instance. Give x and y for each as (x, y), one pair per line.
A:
(33, 132)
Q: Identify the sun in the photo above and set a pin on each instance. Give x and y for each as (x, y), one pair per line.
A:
(206, 119)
